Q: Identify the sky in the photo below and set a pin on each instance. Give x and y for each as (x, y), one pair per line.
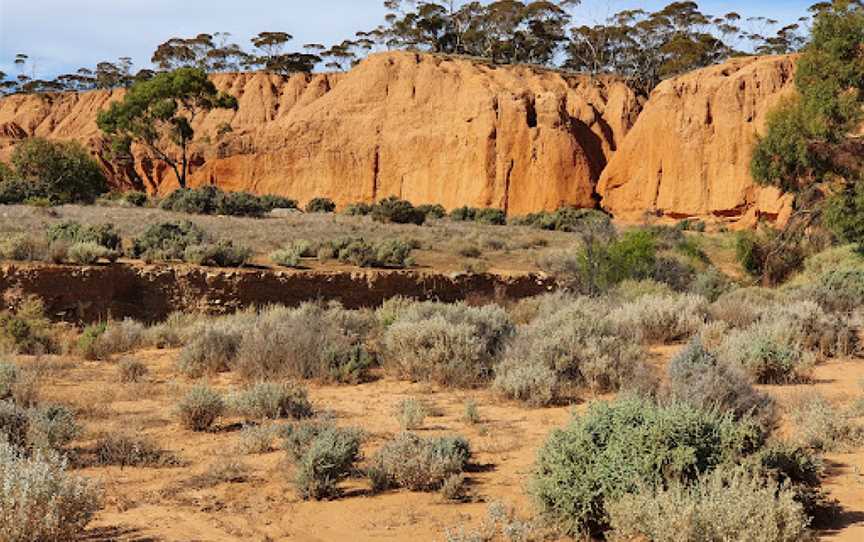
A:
(63, 35)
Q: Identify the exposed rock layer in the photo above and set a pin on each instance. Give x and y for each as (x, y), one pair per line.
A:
(425, 128)
(457, 132)
(689, 152)
(151, 293)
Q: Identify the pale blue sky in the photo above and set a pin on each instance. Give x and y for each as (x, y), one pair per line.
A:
(63, 35)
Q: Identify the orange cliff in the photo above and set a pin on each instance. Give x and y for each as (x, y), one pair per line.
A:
(458, 132)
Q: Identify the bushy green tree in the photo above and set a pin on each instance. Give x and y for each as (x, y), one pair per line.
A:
(158, 114)
(61, 170)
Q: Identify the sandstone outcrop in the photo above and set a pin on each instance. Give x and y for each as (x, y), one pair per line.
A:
(422, 127)
(689, 153)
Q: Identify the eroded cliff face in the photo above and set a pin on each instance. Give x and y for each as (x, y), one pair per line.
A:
(689, 153)
(453, 131)
(425, 128)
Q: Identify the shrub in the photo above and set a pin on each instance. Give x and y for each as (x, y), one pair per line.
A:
(257, 439)
(285, 258)
(327, 458)
(212, 351)
(432, 211)
(631, 290)
(14, 190)
(823, 427)
(270, 202)
(304, 343)
(742, 307)
(840, 290)
(390, 253)
(72, 232)
(472, 413)
(136, 198)
(210, 200)
(320, 205)
(9, 375)
(571, 348)
(807, 325)
(39, 500)
(492, 217)
(88, 341)
(710, 284)
(90, 253)
(27, 330)
(123, 450)
(767, 354)
(397, 211)
(627, 445)
(463, 214)
(167, 240)
(131, 370)
(411, 413)
(661, 319)
(758, 255)
(241, 204)
(23, 248)
(219, 254)
(727, 504)
(200, 408)
(271, 401)
(63, 170)
(418, 464)
(14, 424)
(357, 209)
(117, 338)
(568, 219)
(454, 345)
(175, 331)
(51, 428)
(699, 378)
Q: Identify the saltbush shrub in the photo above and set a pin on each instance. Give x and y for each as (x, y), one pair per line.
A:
(418, 464)
(840, 290)
(397, 211)
(767, 353)
(389, 253)
(9, 375)
(661, 318)
(40, 500)
(411, 413)
(567, 219)
(572, 348)
(726, 504)
(24, 248)
(629, 445)
(14, 424)
(210, 200)
(200, 408)
(90, 253)
(271, 202)
(697, 377)
(219, 254)
(213, 350)
(324, 456)
(432, 210)
(320, 205)
(271, 401)
(286, 258)
(491, 217)
(167, 240)
(357, 209)
(131, 370)
(51, 428)
(453, 345)
(823, 427)
(73, 232)
(115, 338)
(26, 330)
(124, 450)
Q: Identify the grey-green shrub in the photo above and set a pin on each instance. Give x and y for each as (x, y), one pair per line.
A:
(417, 463)
(620, 447)
(710, 284)
(840, 290)
(131, 370)
(727, 504)
(411, 413)
(218, 254)
(212, 351)
(271, 401)
(768, 353)
(286, 257)
(9, 375)
(40, 500)
(23, 248)
(575, 347)
(200, 408)
(661, 319)
(742, 307)
(51, 428)
(823, 427)
(124, 450)
(118, 337)
(325, 460)
(697, 377)
(14, 424)
(90, 253)
(454, 345)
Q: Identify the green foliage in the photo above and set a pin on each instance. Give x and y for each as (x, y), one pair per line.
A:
(358, 209)
(762, 256)
(285, 258)
(432, 211)
(26, 330)
(157, 113)
(567, 219)
(840, 289)
(320, 205)
(490, 216)
(783, 157)
(51, 428)
(63, 171)
(89, 253)
(218, 254)
(167, 240)
(270, 202)
(210, 200)
(411, 413)
(87, 341)
(630, 444)
(389, 253)
(397, 211)
(74, 232)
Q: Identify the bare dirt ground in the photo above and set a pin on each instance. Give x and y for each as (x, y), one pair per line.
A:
(219, 494)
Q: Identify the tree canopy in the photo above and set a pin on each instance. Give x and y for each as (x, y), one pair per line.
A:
(158, 114)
